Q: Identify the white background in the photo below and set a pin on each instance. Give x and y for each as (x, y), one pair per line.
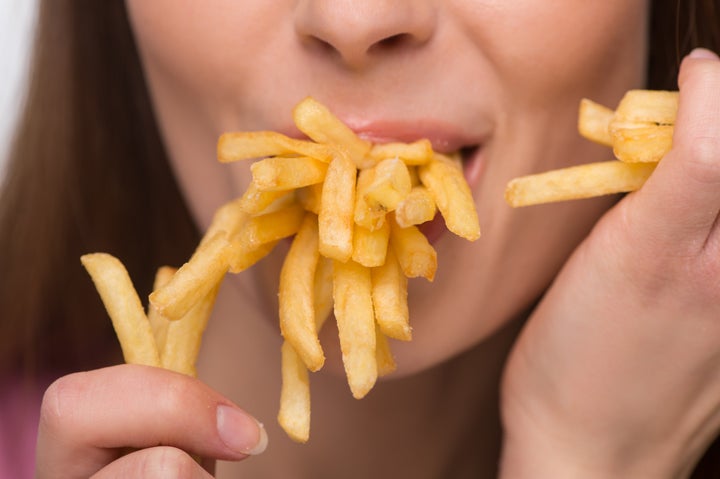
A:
(17, 20)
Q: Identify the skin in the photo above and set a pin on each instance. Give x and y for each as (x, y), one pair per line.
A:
(577, 397)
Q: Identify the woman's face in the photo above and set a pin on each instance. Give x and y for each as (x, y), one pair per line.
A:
(502, 79)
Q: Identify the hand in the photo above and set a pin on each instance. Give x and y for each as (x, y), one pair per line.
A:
(617, 373)
(89, 421)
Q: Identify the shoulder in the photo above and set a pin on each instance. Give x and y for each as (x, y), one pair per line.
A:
(19, 416)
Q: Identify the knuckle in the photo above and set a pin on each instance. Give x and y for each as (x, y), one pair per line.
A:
(175, 394)
(703, 158)
(57, 411)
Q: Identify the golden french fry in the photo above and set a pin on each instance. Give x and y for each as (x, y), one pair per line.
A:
(318, 123)
(415, 254)
(642, 145)
(277, 173)
(417, 207)
(228, 219)
(370, 247)
(243, 258)
(646, 108)
(194, 280)
(390, 185)
(124, 308)
(416, 153)
(294, 413)
(581, 181)
(389, 293)
(297, 286)
(364, 214)
(594, 122)
(158, 323)
(255, 201)
(446, 183)
(337, 203)
(270, 227)
(184, 336)
(352, 292)
(260, 144)
(383, 354)
(333, 193)
(310, 196)
(323, 291)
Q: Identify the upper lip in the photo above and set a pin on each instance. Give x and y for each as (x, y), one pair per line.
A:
(445, 137)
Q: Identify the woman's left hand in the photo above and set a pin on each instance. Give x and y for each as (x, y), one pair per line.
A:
(617, 373)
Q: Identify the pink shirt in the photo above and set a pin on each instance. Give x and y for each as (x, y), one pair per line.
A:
(19, 415)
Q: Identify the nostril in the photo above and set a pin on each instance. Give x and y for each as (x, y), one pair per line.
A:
(392, 42)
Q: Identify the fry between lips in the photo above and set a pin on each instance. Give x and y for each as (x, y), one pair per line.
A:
(352, 208)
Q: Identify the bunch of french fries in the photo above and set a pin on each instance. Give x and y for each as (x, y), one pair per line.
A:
(352, 207)
(640, 133)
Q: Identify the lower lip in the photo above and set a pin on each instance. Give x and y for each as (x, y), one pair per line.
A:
(472, 169)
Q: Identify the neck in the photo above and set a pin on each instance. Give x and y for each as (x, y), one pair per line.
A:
(438, 423)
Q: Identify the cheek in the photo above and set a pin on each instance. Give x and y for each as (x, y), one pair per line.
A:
(567, 49)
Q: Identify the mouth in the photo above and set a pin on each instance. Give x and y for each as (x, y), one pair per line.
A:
(445, 139)
(471, 158)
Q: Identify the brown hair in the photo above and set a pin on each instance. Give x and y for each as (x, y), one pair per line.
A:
(88, 172)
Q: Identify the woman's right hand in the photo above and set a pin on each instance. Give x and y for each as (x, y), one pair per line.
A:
(139, 421)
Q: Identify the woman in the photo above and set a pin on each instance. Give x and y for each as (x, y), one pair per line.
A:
(570, 402)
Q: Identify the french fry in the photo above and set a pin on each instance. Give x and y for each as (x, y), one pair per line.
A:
(260, 144)
(318, 123)
(416, 256)
(228, 219)
(594, 122)
(337, 202)
(642, 127)
(640, 133)
(323, 291)
(310, 197)
(340, 196)
(273, 174)
(646, 108)
(364, 214)
(270, 227)
(158, 323)
(642, 145)
(383, 355)
(390, 185)
(297, 306)
(244, 257)
(194, 280)
(124, 308)
(575, 182)
(389, 294)
(294, 413)
(416, 153)
(417, 207)
(184, 336)
(446, 183)
(352, 293)
(370, 247)
(255, 201)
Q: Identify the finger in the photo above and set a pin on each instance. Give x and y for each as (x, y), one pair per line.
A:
(157, 463)
(684, 190)
(87, 417)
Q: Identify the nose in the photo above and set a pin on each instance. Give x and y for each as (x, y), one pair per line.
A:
(357, 31)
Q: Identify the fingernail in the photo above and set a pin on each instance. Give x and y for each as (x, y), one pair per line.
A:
(240, 432)
(703, 54)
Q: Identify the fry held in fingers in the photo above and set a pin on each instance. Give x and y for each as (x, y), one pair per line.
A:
(352, 207)
(639, 131)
